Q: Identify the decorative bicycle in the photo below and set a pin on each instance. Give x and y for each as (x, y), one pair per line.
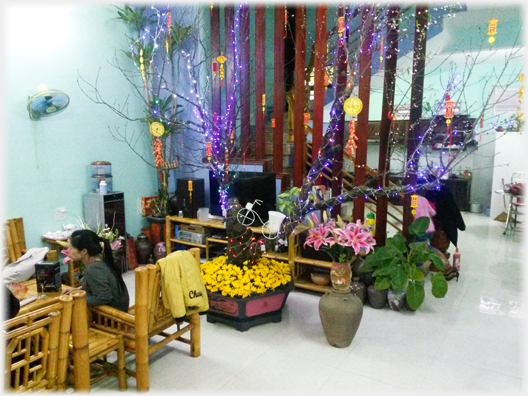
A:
(247, 216)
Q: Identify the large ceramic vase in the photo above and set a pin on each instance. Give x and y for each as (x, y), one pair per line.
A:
(340, 310)
(144, 247)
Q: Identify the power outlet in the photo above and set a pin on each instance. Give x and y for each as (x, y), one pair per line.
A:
(60, 213)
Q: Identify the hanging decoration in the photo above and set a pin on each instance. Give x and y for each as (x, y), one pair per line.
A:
(381, 52)
(158, 158)
(273, 122)
(215, 68)
(448, 115)
(190, 188)
(141, 65)
(221, 59)
(263, 105)
(168, 38)
(353, 106)
(157, 129)
(520, 113)
(340, 29)
(351, 144)
(226, 167)
(212, 4)
(492, 30)
(232, 137)
(209, 151)
(285, 22)
(414, 204)
(306, 120)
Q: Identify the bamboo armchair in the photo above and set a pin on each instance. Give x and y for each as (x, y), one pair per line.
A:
(88, 345)
(146, 319)
(14, 240)
(37, 348)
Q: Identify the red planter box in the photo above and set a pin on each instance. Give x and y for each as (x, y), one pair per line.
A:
(243, 313)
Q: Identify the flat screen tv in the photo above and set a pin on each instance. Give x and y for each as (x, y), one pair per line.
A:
(247, 186)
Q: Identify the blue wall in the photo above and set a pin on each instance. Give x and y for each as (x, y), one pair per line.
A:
(47, 162)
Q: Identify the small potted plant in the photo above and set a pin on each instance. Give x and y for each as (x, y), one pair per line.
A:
(397, 266)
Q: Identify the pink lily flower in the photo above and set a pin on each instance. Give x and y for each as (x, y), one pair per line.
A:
(317, 237)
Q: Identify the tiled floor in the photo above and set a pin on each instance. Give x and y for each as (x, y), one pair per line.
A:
(471, 340)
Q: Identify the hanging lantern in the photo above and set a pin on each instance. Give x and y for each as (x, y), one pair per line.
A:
(215, 68)
(492, 30)
(232, 137)
(340, 26)
(306, 120)
(353, 106)
(414, 203)
(212, 4)
(221, 59)
(273, 122)
(263, 105)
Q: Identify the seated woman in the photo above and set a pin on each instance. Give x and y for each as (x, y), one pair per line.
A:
(102, 278)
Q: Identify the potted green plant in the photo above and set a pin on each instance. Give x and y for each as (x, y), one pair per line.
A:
(287, 200)
(397, 265)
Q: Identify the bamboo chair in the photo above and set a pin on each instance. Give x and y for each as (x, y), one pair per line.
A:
(37, 348)
(15, 242)
(88, 345)
(146, 319)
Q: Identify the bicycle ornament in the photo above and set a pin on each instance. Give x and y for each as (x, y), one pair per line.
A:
(270, 229)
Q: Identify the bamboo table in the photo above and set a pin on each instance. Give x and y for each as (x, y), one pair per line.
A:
(45, 299)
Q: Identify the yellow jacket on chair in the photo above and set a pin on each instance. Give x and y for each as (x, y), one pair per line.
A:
(183, 290)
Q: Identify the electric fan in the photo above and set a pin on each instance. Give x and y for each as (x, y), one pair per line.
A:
(47, 102)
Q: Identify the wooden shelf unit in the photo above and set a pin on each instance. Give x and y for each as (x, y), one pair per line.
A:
(300, 266)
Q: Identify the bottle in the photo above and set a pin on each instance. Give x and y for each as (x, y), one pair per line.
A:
(102, 187)
(456, 260)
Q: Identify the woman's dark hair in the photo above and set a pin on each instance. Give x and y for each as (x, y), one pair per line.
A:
(89, 240)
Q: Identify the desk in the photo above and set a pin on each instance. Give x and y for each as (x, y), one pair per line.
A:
(49, 298)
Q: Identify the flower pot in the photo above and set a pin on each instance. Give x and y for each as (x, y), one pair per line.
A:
(340, 275)
(377, 298)
(243, 313)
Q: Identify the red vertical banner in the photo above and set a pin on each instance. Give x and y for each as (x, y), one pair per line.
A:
(320, 76)
(278, 88)
(260, 81)
(298, 89)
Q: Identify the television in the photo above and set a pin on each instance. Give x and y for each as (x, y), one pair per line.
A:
(247, 186)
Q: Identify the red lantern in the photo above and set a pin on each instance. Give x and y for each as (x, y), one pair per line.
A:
(306, 119)
(448, 115)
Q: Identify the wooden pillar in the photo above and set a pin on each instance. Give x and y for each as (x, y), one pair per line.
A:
(278, 88)
(260, 80)
(245, 119)
(417, 84)
(391, 59)
(341, 81)
(319, 90)
(365, 62)
(299, 107)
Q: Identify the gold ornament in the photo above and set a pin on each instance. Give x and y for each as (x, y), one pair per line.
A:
(157, 129)
(353, 106)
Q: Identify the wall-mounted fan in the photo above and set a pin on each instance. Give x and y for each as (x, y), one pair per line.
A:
(47, 102)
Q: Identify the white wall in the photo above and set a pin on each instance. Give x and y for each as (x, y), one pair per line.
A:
(47, 162)
(510, 157)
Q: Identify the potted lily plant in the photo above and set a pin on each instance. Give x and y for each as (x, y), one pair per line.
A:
(342, 241)
(397, 266)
